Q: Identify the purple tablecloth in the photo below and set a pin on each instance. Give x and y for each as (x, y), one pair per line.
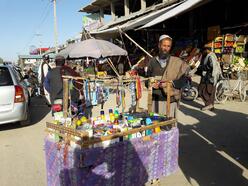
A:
(127, 163)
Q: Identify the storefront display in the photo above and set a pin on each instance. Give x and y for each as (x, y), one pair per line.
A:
(230, 49)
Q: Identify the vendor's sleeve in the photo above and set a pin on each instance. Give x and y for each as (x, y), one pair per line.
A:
(181, 81)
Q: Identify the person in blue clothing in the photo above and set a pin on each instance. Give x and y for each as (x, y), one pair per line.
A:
(54, 83)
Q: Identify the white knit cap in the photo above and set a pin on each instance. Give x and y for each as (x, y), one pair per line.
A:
(164, 37)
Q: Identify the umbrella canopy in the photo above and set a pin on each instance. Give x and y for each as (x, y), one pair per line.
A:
(94, 48)
(65, 51)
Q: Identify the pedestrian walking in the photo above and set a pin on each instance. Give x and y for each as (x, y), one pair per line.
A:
(42, 73)
(211, 72)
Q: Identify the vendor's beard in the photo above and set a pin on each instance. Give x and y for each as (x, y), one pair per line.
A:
(164, 55)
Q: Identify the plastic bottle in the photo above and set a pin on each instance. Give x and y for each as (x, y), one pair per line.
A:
(111, 116)
(116, 116)
(83, 119)
(102, 115)
(148, 122)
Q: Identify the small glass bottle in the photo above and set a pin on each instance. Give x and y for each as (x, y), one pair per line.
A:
(111, 116)
(102, 115)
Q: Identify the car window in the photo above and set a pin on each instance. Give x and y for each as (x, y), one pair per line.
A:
(5, 77)
(18, 75)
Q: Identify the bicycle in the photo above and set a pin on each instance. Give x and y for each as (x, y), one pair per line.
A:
(224, 90)
(189, 92)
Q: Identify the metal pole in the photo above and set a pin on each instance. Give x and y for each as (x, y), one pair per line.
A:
(55, 27)
(39, 35)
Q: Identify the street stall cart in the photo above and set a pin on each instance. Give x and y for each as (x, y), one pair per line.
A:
(115, 148)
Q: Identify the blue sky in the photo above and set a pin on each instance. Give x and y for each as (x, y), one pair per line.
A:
(22, 19)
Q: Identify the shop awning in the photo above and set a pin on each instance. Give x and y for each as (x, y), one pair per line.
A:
(185, 6)
(138, 14)
(30, 57)
(140, 21)
(154, 17)
(147, 18)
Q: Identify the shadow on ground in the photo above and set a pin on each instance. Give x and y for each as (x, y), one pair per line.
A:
(203, 147)
(38, 110)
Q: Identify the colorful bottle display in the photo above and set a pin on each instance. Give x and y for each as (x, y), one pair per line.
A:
(113, 122)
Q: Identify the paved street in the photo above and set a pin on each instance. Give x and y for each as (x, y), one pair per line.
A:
(213, 147)
(22, 156)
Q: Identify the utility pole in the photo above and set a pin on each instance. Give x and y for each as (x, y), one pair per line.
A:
(55, 27)
(39, 35)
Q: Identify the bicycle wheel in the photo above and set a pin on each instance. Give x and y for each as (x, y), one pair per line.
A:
(243, 92)
(221, 88)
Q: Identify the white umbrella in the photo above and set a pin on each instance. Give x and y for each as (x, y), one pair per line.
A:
(94, 48)
(65, 52)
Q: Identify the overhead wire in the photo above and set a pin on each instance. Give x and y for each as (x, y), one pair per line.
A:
(43, 16)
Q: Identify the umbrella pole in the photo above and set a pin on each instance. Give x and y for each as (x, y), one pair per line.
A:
(113, 67)
(122, 101)
(120, 80)
(137, 44)
(120, 32)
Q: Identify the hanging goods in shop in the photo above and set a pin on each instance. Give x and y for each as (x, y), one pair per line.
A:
(102, 94)
(123, 103)
(138, 88)
(118, 97)
(218, 43)
(86, 93)
(229, 43)
(132, 88)
(100, 99)
(240, 44)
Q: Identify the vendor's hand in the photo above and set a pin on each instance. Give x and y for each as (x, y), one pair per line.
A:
(155, 85)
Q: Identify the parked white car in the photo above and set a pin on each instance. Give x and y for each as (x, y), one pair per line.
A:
(14, 98)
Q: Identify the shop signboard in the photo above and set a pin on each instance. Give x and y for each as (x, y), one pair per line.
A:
(91, 22)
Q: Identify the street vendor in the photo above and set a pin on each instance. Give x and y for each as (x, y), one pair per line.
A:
(169, 68)
(211, 72)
